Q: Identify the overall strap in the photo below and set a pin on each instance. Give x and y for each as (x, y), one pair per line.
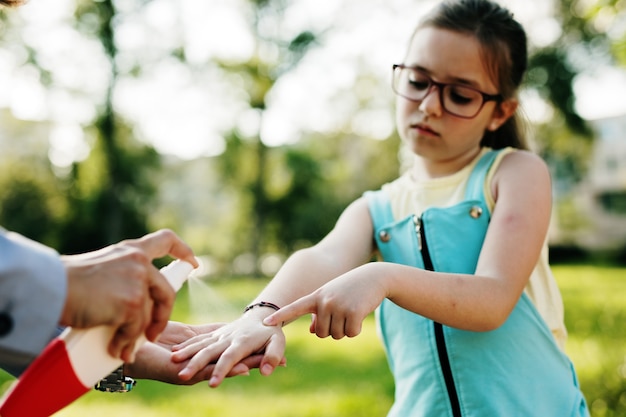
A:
(380, 208)
(476, 183)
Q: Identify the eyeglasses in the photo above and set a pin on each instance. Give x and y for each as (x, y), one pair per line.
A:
(459, 100)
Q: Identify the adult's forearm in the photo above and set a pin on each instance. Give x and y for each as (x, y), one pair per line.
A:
(33, 287)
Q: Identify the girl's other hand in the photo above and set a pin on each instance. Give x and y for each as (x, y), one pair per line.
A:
(340, 306)
(228, 345)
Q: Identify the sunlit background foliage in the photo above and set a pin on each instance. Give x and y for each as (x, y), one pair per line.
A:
(245, 125)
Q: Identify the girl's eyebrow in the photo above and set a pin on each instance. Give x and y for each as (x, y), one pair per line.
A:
(451, 80)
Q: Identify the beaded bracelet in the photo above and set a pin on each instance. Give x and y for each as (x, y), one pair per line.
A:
(261, 304)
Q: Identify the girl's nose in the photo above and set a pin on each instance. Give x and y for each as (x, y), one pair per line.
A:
(431, 104)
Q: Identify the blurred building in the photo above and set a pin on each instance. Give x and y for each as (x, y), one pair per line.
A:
(596, 216)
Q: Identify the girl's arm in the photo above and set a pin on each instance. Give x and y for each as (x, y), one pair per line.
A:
(479, 302)
(348, 245)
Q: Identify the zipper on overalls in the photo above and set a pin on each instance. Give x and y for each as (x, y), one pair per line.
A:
(439, 337)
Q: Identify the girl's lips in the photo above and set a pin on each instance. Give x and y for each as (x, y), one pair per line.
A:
(424, 129)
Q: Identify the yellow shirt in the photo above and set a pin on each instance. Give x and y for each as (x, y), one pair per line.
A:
(409, 196)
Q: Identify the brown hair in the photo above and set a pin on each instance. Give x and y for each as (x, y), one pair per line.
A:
(11, 3)
(504, 46)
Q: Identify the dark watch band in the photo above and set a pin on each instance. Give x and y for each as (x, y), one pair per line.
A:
(116, 382)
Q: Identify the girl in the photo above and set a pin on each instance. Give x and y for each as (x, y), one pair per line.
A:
(469, 313)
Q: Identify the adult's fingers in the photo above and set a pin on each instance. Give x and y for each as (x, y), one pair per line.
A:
(163, 295)
(166, 242)
(274, 355)
(188, 348)
(129, 331)
(244, 367)
(298, 308)
(156, 245)
(123, 343)
(176, 332)
(206, 328)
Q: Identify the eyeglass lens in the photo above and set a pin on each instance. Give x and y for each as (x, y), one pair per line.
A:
(415, 85)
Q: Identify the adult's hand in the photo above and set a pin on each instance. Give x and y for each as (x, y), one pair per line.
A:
(119, 286)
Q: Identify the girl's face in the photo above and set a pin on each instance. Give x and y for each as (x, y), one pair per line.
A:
(432, 133)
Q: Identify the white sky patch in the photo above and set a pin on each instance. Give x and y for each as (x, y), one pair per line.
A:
(27, 96)
(216, 28)
(277, 128)
(43, 12)
(536, 16)
(249, 122)
(601, 94)
(303, 97)
(67, 145)
(535, 107)
(69, 108)
(7, 66)
(310, 15)
(176, 112)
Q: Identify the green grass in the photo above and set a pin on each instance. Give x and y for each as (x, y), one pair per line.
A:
(595, 315)
(350, 377)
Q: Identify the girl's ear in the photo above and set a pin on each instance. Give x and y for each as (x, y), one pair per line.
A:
(501, 114)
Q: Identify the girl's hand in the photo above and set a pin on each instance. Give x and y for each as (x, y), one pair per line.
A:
(340, 306)
(229, 345)
(154, 359)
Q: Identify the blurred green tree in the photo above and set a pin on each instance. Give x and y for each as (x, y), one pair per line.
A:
(291, 195)
(30, 201)
(99, 201)
(109, 192)
(245, 164)
(590, 38)
(283, 196)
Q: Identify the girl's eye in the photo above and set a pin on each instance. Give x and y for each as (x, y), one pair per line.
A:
(461, 96)
(419, 84)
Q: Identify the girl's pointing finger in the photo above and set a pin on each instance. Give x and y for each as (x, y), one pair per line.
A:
(290, 312)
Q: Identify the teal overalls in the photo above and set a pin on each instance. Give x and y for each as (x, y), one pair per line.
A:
(440, 371)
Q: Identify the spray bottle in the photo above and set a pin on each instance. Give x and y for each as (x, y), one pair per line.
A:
(72, 364)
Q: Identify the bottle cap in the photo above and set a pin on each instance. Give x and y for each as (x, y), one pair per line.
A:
(177, 273)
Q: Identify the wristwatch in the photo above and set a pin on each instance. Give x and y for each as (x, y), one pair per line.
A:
(116, 382)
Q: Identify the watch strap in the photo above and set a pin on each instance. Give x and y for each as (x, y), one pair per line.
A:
(116, 382)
